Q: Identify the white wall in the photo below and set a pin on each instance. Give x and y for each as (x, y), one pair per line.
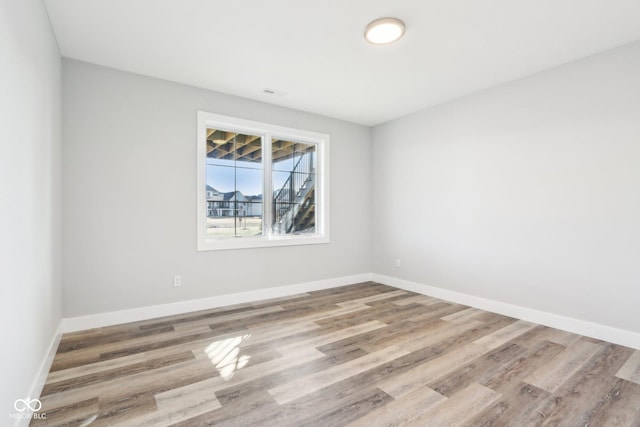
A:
(29, 196)
(528, 193)
(129, 196)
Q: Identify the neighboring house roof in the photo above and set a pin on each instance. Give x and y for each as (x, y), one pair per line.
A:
(213, 195)
(230, 196)
(235, 195)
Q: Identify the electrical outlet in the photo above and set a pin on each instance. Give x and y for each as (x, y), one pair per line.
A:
(398, 262)
(177, 281)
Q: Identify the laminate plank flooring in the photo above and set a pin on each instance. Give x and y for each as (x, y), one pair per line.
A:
(359, 355)
(550, 377)
(631, 369)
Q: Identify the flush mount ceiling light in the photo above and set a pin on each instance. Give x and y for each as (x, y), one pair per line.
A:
(384, 30)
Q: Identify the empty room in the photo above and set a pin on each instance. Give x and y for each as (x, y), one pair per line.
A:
(320, 213)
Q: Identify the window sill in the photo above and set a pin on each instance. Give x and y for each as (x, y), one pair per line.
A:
(259, 242)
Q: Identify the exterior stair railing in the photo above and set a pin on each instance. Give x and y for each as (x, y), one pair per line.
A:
(288, 200)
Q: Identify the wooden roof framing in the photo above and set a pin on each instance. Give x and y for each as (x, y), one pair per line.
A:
(248, 148)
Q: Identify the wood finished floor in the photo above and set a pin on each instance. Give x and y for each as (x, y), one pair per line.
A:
(360, 355)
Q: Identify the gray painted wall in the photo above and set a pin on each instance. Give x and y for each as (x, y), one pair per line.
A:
(29, 195)
(528, 193)
(129, 196)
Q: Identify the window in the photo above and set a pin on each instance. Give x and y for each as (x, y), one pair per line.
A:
(260, 184)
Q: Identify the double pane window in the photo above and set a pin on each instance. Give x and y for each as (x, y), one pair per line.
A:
(259, 184)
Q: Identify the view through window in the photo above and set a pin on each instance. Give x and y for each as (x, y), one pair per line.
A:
(235, 182)
(294, 178)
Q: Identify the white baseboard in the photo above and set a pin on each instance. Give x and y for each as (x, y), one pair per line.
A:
(580, 327)
(80, 323)
(41, 377)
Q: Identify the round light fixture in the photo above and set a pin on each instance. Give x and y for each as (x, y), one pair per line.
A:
(384, 30)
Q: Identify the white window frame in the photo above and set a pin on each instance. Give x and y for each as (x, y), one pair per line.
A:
(267, 131)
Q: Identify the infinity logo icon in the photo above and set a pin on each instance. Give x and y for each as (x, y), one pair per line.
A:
(22, 405)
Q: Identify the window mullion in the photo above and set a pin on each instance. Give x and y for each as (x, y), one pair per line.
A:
(267, 219)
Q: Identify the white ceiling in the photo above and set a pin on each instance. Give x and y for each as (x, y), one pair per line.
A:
(314, 51)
